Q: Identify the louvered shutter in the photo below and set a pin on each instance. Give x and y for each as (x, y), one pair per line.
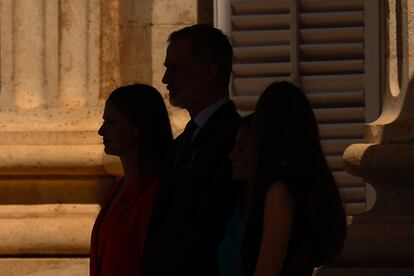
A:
(319, 45)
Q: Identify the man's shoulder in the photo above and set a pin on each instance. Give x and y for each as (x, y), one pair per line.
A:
(225, 116)
(223, 124)
(220, 130)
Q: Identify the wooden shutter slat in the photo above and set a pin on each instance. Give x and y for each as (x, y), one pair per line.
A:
(262, 38)
(340, 131)
(335, 163)
(336, 99)
(332, 51)
(323, 115)
(316, 99)
(332, 35)
(245, 102)
(338, 146)
(260, 7)
(344, 179)
(265, 21)
(262, 53)
(347, 114)
(244, 113)
(254, 86)
(353, 194)
(329, 5)
(261, 69)
(333, 83)
(332, 67)
(332, 19)
(340, 99)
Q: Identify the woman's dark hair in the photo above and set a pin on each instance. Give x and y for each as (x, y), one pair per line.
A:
(247, 122)
(144, 107)
(286, 148)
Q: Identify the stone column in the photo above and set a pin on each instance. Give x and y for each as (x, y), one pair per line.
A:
(52, 175)
(381, 241)
(29, 73)
(59, 60)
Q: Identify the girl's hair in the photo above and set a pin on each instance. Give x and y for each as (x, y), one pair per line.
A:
(286, 147)
(144, 108)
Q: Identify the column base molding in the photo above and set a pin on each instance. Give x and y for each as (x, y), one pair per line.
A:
(363, 271)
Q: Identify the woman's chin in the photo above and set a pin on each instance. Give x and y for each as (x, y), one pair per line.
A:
(109, 151)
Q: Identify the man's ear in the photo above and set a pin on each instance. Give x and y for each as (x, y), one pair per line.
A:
(211, 72)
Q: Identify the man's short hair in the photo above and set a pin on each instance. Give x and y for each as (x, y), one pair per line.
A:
(208, 44)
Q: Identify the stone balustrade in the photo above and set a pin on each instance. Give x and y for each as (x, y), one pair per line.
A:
(381, 240)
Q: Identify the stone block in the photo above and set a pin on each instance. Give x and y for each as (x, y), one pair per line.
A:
(50, 138)
(53, 189)
(59, 229)
(172, 12)
(53, 119)
(112, 165)
(386, 244)
(51, 160)
(44, 267)
(139, 12)
(136, 53)
(366, 271)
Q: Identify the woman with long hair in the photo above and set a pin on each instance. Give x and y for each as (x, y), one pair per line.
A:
(293, 220)
(136, 128)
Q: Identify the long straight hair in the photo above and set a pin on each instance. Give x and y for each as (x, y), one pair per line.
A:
(144, 107)
(286, 147)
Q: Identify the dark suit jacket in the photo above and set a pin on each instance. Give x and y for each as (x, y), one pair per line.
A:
(194, 203)
(119, 233)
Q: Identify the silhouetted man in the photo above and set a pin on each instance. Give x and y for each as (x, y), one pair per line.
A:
(196, 195)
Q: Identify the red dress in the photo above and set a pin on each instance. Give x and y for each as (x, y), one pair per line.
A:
(118, 235)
